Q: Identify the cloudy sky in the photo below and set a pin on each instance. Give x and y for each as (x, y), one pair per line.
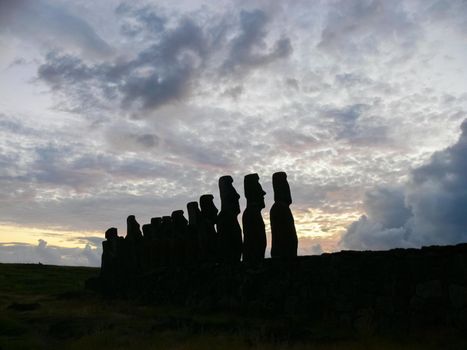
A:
(111, 108)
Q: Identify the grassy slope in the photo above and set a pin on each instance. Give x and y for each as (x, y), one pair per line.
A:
(64, 316)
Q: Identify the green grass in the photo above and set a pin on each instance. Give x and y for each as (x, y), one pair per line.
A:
(68, 317)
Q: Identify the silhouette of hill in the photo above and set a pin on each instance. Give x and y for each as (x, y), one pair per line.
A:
(398, 299)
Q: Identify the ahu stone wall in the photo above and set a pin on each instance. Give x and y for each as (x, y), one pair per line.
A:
(383, 291)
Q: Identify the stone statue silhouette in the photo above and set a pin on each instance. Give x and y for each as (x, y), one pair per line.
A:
(197, 237)
(254, 232)
(150, 244)
(208, 222)
(228, 228)
(112, 264)
(147, 231)
(155, 228)
(133, 232)
(165, 238)
(284, 236)
(133, 243)
(179, 247)
(109, 251)
(155, 242)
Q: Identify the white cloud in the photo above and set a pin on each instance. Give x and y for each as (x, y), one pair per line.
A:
(50, 255)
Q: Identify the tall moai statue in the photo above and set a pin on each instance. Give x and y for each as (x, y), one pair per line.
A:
(179, 240)
(149, 258)
(133, 232)
(112, 260)
(254, 231)
(133, 243)
(196, 237)
(208, 222)
(145, 247)
(166, 235)
(228, 228)
(147, 231)
(284, 236)
(109, 252)
(155, 243)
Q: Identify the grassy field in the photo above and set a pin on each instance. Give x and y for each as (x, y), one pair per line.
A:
(46, 307)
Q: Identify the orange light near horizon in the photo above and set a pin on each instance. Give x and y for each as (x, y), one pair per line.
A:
(10, 233)
(320, 223)
(321, 227)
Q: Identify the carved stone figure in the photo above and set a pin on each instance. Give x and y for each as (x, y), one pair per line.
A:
(178, 246)
(228, 228)
(254, 231)
(166, 234)
(197, 237)
(284, 236)
(150, 245)
(133, 245)
(208, 222)
(154, 243)
(109, 252)
(156, 226)
(133, 232)
(147, 231)
(112, 268)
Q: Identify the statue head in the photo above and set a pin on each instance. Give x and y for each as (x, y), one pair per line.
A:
(131, 220)
(208, 208)
(111, 233)
(156, 221)
(193, 213)
(178, 218)
(281, 188)
(254, 193)
(166, 226)
(228, 194)
(166, 220)
(133, 228)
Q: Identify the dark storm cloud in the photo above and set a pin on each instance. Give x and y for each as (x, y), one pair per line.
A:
(251, 39)
(430, 209)
(50, 24)
(159, 74)
(168, 70)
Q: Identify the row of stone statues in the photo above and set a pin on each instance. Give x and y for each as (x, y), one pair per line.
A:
(208, 236)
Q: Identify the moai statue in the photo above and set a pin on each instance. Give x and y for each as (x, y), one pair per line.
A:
(111, 263)
(166, 235)
(284, 237)
(197, 236)
(179, 241)
(156, 226)
(228, 228)
(254, 231)
(155, 243)
(147, 231)
(148, 247)
(133, 232)
(109, 251)
(133, 242)
(209, 219)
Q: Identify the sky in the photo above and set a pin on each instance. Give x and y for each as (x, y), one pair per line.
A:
(111, 108)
